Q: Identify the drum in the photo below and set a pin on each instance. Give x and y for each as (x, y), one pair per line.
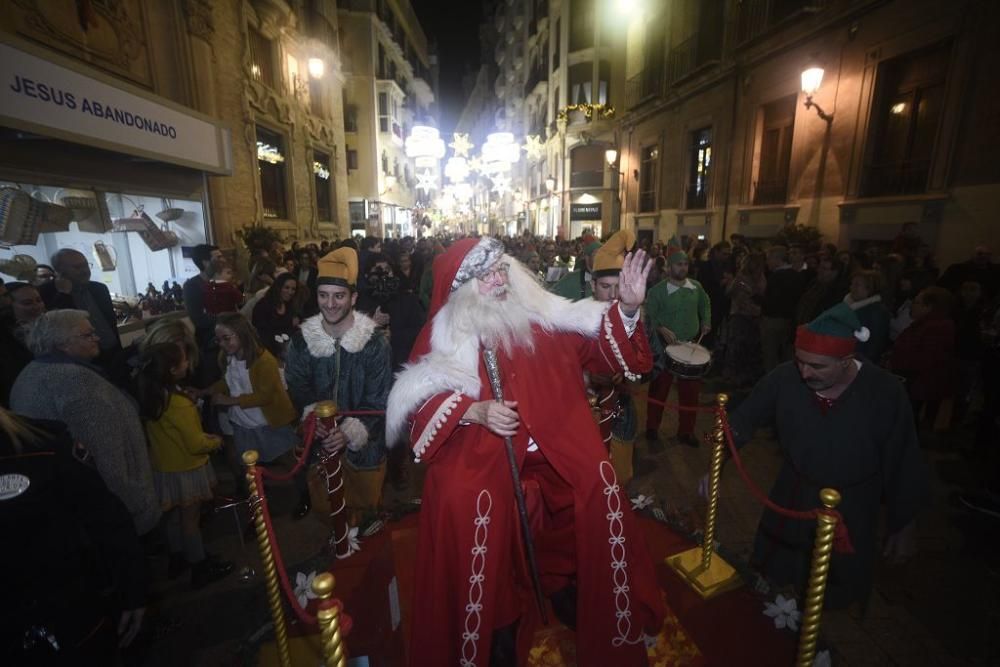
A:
(688, 360)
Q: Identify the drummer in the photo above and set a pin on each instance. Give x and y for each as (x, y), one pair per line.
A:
(677, 311)
(615, 408)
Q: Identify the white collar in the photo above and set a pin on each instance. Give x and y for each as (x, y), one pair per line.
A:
(322, 344)
(671, 288)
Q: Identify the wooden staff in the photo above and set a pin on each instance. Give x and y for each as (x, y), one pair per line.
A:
(493, 371)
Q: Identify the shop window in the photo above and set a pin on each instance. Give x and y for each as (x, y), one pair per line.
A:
(581, 25)
(324, 186)
(700, 169)
(131, 241)
(262, 59)
(906, 120)
(775, 146)
(271, 166)
(648, 171)
(352, 159)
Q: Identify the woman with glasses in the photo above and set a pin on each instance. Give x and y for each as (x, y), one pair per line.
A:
(63, 384)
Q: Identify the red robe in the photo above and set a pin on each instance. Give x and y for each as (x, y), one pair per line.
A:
(470, 571)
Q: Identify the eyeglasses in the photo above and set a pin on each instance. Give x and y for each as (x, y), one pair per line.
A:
(92, 335)
(495, 274)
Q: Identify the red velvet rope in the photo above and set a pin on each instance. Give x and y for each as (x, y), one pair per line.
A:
(841, 537)
(308, 436)
(279, 564)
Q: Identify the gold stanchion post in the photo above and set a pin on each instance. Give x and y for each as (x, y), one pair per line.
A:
(708, 575)
(329, 622)
(816, 588)
(267, 560)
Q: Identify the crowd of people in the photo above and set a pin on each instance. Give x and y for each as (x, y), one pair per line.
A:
(136, 428)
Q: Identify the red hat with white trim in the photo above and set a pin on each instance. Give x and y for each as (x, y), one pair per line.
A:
(834, 332)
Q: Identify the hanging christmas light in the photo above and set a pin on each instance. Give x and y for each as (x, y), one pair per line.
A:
(461, 145)
(424, 141)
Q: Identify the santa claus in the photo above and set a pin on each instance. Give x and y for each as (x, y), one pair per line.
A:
(474, 603)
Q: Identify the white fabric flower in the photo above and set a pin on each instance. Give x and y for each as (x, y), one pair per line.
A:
(353, 544)
(303, 588)
(784, 611)
(641, 502)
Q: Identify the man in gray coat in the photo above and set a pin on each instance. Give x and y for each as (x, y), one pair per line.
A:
(62, 384)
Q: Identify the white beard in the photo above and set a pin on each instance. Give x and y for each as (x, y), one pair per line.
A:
(496, 323)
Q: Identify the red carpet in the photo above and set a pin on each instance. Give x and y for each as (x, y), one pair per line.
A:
(376, 587)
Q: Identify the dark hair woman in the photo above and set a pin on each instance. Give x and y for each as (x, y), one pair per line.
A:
(276, 315)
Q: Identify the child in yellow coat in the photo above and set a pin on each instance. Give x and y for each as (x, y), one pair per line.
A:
(179, 450)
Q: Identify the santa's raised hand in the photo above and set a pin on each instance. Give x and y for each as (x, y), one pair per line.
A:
(632, 283)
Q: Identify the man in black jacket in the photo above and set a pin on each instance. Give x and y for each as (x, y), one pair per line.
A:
(203, 255)
(74, 289)
(781, 298)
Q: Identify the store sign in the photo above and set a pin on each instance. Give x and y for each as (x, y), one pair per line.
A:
(585, 211)
(40, 96)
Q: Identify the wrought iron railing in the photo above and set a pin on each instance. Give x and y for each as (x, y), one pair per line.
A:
(697, 197)
(645, 85)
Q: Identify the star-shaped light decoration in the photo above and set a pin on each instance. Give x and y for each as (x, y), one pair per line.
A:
(461, 144)
(533, 146)
(501, 184)
(426, 181)
(475, 164)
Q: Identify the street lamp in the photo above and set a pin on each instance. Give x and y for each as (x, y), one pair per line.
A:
(611, 155)
(812, 77)
(316, 68)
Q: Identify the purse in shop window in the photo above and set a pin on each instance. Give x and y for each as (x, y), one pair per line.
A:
(154, 237)
(106, 256)
(23, 217)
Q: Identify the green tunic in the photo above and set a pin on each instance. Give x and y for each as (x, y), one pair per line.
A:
(355, 371)
(682, 310)
(864, 446)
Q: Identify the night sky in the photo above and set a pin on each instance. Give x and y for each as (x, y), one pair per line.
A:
(454, 26)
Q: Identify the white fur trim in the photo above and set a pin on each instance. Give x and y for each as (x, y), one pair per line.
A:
(434, 425)
(356, 432)
(321, 344)
(863, 334)
(308, 410)
(452, 365)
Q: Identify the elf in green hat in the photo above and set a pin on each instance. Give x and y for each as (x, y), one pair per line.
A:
(846, 424)
(678, 310)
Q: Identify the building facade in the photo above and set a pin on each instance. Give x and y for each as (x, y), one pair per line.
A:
(254, 88)
(718, 137)
(390, 84)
